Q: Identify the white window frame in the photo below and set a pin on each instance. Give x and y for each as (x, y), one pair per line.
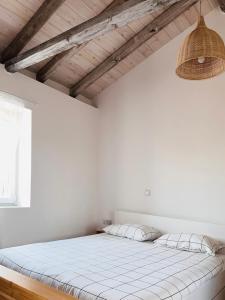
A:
(23, 178)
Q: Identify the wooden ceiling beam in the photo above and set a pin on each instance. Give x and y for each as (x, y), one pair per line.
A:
(45, 72)
(222, 5)
(132, 44)
(41, 16)
(116, 17)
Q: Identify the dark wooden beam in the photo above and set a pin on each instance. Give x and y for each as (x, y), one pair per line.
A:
(31, 28)
(222, 5)
(132, 44)
(44, 73)
(97, 26)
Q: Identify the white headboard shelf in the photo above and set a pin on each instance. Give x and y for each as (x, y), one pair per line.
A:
(171, 225)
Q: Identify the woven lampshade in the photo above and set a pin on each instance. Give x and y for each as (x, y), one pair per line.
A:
(202, 54)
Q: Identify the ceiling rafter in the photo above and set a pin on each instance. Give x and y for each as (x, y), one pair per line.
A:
(95, 27)
(44, 73)
(132, 44)
(40, 17)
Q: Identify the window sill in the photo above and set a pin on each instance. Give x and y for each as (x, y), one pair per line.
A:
(13, 206)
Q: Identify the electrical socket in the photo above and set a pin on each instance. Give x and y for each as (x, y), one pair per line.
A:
(148, 192)
(107, 222)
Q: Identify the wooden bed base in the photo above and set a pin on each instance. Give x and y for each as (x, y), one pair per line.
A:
(15, 286)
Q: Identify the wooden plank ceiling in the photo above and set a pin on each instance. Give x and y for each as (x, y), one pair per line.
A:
(14, 15)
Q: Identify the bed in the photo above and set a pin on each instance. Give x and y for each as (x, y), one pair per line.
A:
(113, 268)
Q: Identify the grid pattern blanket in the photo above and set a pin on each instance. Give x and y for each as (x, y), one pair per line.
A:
(113, 268)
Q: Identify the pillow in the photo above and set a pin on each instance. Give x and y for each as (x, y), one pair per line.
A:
(190, 242)
(133, 231)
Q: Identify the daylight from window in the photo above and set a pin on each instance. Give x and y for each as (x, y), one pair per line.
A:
(15, 152)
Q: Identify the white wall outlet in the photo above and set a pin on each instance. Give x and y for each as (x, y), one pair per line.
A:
(147, 192)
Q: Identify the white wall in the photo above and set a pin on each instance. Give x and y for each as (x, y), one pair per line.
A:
(64, 152)
(165, 133)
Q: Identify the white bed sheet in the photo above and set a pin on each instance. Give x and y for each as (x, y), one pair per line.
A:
(108, 267)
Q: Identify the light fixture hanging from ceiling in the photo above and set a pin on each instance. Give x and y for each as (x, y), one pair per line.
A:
(202, 54)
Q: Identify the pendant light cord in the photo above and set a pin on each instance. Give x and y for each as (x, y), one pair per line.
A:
(200, 8)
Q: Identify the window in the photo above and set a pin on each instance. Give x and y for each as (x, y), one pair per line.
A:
(15, 152)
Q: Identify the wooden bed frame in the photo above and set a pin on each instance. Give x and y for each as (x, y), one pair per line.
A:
(15, 286)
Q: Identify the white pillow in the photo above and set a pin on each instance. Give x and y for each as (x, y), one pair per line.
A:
(190, 242)
(133, 231)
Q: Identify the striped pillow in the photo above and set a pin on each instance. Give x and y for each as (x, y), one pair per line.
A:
(190, 242)
(133, 231)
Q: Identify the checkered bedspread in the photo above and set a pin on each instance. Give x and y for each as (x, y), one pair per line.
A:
(113, 268)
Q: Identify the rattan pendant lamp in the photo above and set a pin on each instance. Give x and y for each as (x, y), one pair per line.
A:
(202, 54)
